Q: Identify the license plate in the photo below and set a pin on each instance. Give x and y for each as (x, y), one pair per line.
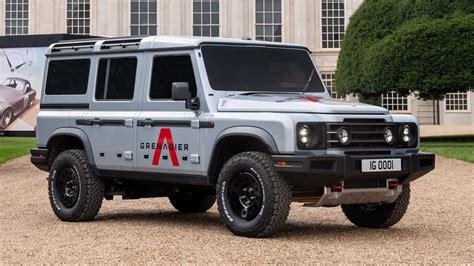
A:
(382, 165)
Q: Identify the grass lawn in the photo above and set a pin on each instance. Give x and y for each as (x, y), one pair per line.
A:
(12, 147)
(458, 147)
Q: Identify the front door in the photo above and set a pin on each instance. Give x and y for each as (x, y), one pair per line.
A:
(168, 133)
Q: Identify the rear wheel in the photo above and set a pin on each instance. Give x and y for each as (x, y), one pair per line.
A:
(379, 215)
(253, 199)
(192, 202)
(75, 192)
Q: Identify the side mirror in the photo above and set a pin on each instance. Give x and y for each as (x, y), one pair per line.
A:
(180, 92)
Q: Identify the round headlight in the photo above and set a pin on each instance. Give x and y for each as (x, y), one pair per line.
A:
(343, 135)
(304, 135)
(407, 134)
(389, 135)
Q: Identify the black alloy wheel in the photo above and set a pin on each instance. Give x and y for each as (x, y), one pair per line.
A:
(245, 195)
(67, 186)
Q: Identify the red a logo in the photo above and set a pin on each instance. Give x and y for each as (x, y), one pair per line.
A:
(165, 135)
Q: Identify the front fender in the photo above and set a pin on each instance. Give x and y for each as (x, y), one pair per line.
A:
(256, 132)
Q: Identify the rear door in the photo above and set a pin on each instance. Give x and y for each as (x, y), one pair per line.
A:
(168, 139)
(111, 118)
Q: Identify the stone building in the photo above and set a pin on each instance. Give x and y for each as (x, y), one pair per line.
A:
(317, 24)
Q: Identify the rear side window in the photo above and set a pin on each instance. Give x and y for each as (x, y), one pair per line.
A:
(116, 78)
(169, 69)
(67, 77)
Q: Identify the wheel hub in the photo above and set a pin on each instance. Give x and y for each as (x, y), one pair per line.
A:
(245, 195)
(67, 186)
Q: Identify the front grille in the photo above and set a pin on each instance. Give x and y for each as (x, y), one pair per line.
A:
(363, 135)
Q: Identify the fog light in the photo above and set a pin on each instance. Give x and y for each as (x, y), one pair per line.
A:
(343, 135)
(388, 135)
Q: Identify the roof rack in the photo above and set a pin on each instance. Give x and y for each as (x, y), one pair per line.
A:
(130, 43)
(73, 46)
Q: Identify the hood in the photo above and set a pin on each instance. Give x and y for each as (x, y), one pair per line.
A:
(294, 103)
(7, 93)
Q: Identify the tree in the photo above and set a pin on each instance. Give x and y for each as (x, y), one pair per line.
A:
(408, 45)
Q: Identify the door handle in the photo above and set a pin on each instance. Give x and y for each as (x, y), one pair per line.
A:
(147, 122)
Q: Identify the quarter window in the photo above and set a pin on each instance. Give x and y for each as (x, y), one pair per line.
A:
(169, 69)
(333, 16)
(67, 77)
(78, 17)
(393, 101)
(143, 17)
(268, 20)
(206, 18)
(457, 101)
(16, 17)
(116, 79)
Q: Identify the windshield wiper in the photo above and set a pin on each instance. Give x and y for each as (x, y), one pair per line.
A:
(309, 81)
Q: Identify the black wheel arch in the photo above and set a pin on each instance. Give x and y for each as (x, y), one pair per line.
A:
(69, 138)
(236, 140)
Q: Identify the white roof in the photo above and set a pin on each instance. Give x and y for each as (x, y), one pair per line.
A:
(107, 45)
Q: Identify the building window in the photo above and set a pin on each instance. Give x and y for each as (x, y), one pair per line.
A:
(328, 79)
(458, 101)
(143, 17)
(268, 20)
(206, 18)
(78, 17)
(16, 17)
(333, 16)
(393, 101)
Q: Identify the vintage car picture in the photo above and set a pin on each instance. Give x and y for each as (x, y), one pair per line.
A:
(16, 96)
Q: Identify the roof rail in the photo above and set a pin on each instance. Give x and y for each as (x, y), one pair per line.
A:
(73, 46)
(130, 43)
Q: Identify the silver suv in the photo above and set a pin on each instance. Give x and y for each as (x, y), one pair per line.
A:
(247, 123)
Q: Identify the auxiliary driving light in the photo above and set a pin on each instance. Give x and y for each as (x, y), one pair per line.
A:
(304, 134)
(389, 135)
(343, 135)
(407, 134)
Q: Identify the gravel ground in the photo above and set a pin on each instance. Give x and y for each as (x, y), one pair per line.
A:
(438, 228)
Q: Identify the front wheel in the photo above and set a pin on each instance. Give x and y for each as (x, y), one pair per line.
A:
(253, 199)
(75, 192)
(379, 215)
(6, 118)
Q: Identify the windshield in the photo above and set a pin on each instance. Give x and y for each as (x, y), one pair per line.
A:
(260, 69)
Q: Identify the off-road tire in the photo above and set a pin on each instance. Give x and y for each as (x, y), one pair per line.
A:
(383, 215)
(189, 202)
(276, 198)
(91, 188)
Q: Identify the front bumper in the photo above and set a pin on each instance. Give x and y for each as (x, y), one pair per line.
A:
(329, 170)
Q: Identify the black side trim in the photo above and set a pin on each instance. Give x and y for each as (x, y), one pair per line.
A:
(163, 123)
(64, 106)
(206, 124)
(164, 178)
(100, 122)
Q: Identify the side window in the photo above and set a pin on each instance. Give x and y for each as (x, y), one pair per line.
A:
(169, 69)
(116, 78)
(67, 77)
